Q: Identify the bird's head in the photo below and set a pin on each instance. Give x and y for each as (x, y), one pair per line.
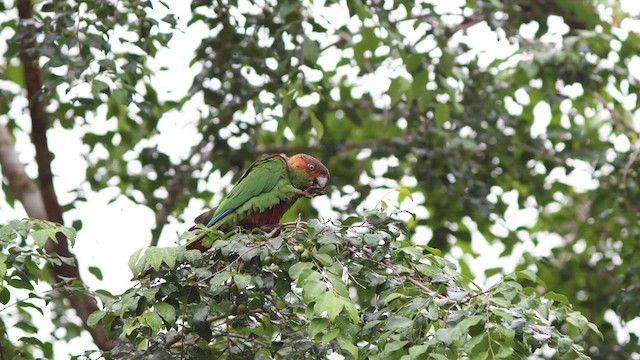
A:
(316, 173)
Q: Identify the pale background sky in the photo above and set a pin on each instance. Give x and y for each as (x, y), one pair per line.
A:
(114, 230)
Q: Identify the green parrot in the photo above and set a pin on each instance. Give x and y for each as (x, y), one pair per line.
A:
(266, 190)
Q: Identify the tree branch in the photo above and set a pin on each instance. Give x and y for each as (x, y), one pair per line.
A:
(373, 144)
(13, 170)
(39, 121)
(84, 306)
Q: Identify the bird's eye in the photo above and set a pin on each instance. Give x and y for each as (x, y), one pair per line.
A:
(312, 167)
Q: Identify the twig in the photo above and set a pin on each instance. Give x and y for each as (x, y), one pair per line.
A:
(632, 159)
(374, 144)
(615, 115)
(389, 265)
(468, 22)
(413, 281)
(420, 285)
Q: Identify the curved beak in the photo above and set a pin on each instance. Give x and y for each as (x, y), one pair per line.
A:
(322, 181)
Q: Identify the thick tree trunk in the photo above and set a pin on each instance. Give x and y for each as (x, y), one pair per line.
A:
(13, 170)
(84, 306)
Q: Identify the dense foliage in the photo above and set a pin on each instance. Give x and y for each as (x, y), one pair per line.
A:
(484, 111)
(363, 291)
(22, 276)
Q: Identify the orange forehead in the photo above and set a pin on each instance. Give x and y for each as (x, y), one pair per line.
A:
(302, 161)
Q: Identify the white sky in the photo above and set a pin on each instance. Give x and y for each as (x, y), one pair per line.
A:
(114, 230)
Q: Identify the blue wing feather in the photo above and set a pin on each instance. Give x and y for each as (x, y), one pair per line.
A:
(267, 176)
(218, 217)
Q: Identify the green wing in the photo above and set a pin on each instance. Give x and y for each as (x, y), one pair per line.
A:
(262, 186)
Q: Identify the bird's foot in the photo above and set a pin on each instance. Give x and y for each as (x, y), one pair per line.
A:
(272, 230)
(313, 191)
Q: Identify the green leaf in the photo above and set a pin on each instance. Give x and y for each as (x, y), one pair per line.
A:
(5, 296)
(69, 233)
(576, 319)
(131, 326)
(154, 256)
(120, 95)
(557, 297)
(293, 119)
(529, 275)
(444, 336)
(373, 240)
(19, 283)
(312, 289)
(507, 316)
(219, 279)
(470, 345)
(419, 83)
(3, 267)
(324, 259)
(166, 312)
(398, 322)
(133, 260)
(442, 114)
(398, 87)
(95, 317)
(328, 238)
(199, 321)
(317, 125)
(505, 351)
(426, 100)
(339, 287)
(42, 236)
(317, 325)
(296, 269)
(468, 322)
(330, 335)
(330, 304)
(595, 329)
(153, 320)
(492, 271)
(98, 86)
(404, 193)
(275, 243)
(369, 39)
(395, 345)
(371, 324)
(432, 250)
(351, 220)
(242, 280)
(15, 73)
(416, 352)
(172, 255)
(394, 296)
(500, 301)
(349, 346)
(288, 7)
(95, 271)
(32, 341)
(351, 310)
(505, 332)
(310, 50)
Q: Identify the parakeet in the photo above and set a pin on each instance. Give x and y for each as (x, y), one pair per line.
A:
(266, 190)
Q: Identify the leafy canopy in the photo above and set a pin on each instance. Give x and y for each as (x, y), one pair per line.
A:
(361, 290)
(542, 125)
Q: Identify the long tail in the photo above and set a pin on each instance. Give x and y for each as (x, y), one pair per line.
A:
(196, 243)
